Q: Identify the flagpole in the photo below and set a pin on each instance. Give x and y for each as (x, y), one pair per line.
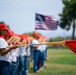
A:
(46, 43)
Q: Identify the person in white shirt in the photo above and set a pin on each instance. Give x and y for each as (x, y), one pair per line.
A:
(12, 39)
(26, 60)
(42, 49)
(27, 55)
(31, 50)
(4, 53)
(23, 58)
(36, 52)
(43, 52)
(13, 60)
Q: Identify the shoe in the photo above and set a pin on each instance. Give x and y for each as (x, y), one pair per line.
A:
(38, 71)
(41, 68)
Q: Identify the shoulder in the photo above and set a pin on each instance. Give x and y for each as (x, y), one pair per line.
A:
(35, 42)
(1, 39)
(3, 43)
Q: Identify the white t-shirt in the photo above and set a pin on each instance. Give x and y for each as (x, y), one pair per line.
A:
(13, 54)
(44, 47)
(3, 44)
(34, 41)
(22, 51)
(27, 51)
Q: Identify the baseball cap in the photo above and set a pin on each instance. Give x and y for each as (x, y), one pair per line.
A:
(5, 28)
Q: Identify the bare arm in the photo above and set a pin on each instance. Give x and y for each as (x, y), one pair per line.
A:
(4, 51)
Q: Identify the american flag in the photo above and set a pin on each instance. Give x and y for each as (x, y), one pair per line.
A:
(45, 22)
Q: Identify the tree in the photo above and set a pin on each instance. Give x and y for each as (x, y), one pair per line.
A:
(68, 16)
(1, 22)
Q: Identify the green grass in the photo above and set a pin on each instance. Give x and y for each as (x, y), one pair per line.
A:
(59, 62)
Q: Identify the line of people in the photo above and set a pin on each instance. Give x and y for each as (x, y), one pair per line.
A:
(15, 56)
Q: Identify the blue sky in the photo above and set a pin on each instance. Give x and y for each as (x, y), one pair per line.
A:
(20, 15)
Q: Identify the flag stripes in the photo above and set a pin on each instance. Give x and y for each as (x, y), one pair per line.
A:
(45, 22)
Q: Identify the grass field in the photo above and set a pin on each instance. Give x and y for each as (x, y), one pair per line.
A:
(59, 62)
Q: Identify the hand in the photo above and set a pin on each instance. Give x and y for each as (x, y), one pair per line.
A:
(14, 47)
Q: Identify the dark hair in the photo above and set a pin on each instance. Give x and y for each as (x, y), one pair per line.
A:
(0, 32)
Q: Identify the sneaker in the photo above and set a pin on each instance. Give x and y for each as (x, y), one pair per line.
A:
(38, 71)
